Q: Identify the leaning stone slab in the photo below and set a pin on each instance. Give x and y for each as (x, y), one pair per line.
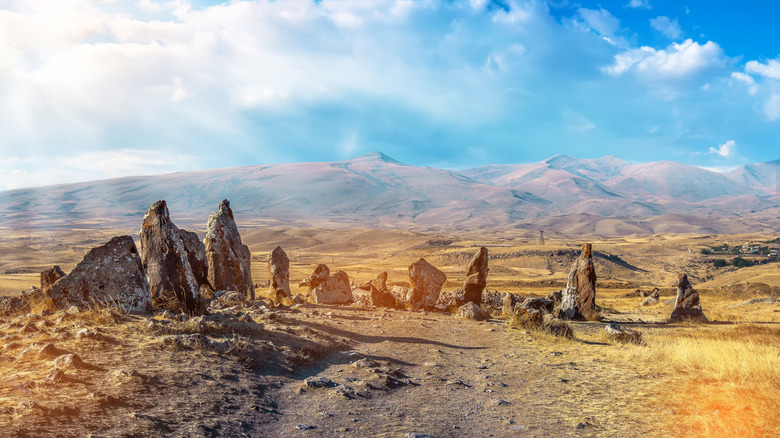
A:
(109, 275)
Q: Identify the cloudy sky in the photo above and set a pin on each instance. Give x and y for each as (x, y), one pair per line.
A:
(100, 88)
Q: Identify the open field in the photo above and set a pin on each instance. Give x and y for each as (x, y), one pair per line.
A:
(427, 372)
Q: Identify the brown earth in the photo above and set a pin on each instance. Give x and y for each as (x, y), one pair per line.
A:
(427, 373)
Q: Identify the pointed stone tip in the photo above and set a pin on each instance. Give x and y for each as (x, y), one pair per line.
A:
(225, 202)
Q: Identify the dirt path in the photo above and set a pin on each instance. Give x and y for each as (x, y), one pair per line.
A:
(319, 371)
(447, 377)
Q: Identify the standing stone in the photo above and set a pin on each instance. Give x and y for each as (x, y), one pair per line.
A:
(164, 256)
(686, 306)
(579, 297)
(426, 282)
(196, 254)
(279, 273)
(476, 278)
(320, 275)
(229, 260)
(50, 276)
(335, 290)
(109, 275)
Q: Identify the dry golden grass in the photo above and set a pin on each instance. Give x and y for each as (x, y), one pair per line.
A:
(720, 381)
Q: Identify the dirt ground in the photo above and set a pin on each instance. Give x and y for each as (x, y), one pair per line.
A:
(331, 371)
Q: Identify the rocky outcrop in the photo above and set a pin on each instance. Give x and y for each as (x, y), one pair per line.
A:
(109, 275)
(426, 282)
(279, 274)
(686, 306)
(167, 265)
(50, 276)
(10, 306)
(579, 297)
(476, 278)
(335, 290)
(228, 258)
(320, 275)
(618, 333)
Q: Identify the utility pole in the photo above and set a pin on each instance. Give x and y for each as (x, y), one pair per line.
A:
(541, 237)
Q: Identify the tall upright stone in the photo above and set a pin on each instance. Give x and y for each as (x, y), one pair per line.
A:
(426, 282)
(196, 254)
(687, 306)
(228, 258)
(109, 275)
(579, 297)
(476, 278)
(279, 274)
(166, 262)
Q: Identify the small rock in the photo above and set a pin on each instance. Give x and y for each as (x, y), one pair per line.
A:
(56, 376)
(49, 350)
(365, 363)
(69, 360)
(305, 427)
(500, 402)
(471, 311)
(318, 382)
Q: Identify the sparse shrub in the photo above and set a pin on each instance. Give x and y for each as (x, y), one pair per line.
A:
(705, 251)
(739, 262)
(719, 263)
(532, 319)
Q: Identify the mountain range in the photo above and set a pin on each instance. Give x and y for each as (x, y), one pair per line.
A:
(603, 196)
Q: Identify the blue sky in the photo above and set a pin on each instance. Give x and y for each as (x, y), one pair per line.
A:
(102, 88)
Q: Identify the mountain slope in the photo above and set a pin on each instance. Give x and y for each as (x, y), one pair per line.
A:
(376, 191)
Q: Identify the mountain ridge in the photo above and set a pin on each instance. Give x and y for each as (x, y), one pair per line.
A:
(375, 190)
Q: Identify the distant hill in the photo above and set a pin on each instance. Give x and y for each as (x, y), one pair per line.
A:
(605, 196)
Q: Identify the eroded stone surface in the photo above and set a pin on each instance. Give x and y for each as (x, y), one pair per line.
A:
(166, 262)
(50, 276)
(109, 275)
(426, 282)
(228, 258)
(579, 297)
(335, 290)
(687, 306)
(476, 277)
(279, 274)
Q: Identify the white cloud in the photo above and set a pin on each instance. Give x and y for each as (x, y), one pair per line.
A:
(669, 28)
(726, 150)
(679, 60)
(770, 70)
(636, 4)
(603, 23)
(747, 79)
(29, 172)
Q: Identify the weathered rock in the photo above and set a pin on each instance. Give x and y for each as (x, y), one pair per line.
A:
(196, 255)
(166, 263)
(380, 282)
(335, 290)
(69, 360)
(686, 306)
(50, 276)
(476, 277)
(471, 311)
(426, 282)
(228, 259)
(10, 306)
(651, 299)
(625, 335)
(109, 275)
(320, 275)
(400, 293)
(279, 274)
(543, 304)
(579, 297)
(373, 297)
(510, 304)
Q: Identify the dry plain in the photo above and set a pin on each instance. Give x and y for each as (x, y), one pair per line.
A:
(426, 373)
